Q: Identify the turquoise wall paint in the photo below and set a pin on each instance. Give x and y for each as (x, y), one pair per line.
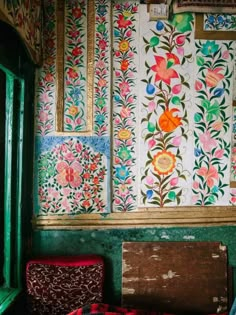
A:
(108, 243)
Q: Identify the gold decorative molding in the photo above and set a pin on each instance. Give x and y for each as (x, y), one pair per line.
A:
(60, 13)
(165, 217)
(200, 33)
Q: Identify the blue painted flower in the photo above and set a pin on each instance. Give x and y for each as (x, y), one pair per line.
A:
(122, 172)
(197, 152)
(218, 92)
(149, 193)
(75, 93)
(117, 97)
(150, 89)
(220, 19)
(210, 47)
(159, 25)
(211, 19)
(215, 189)
(116, 33)
(101, 10)
(100, 119)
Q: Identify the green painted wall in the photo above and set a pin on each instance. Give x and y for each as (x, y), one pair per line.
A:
(108, 243)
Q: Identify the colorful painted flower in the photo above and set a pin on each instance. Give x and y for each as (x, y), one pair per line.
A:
(168, 122)
(210, 174)
(69, 174)
(207, 141)
(124, 65)
(73, 110)
(124, 45)
(122, 172)
(162, 68)
(210, 47)
(124, 134)
(183, 22)
(124, 88)
(123, 22)
(213, 77)
(124, 153)
(164, 162)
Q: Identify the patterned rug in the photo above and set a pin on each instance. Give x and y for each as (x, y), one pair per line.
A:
(204, 6)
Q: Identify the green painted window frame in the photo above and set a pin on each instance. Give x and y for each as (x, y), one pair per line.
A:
(14, 118)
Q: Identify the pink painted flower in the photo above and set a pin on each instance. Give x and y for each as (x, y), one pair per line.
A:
(69, 174)
(180, 40)
(217, 125)
(207, 141)
(195, 199)
(130, 54)
(151, 106)
(102, 44)
(210, 175)
(124, 88)
(128, 33)
(219, 153)
(176, 89)
(198, 85)
(174, 181)
(151, 143)
(163, 69)
(130, 99)
(43, 116)
(66, 191)
(180, 51)
(150, 180)
(195, 185)
(177, 141)
(117, 201)
(225, 54)
(125, 112)
(213, 77)
(117, 74)
(233, 200)
(44, 97)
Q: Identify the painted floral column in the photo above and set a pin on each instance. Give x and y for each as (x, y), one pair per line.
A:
(125, 25)
(212, 132)
(165, 111)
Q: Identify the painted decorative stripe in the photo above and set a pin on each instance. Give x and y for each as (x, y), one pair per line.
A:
(75, 61)
(102, 68)
(125, 21)
(219, 22)
(72, 175)
(45, 93)
(166, 105)
(212, 132)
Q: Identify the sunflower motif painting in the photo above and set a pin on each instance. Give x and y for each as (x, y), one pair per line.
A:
(165, 123)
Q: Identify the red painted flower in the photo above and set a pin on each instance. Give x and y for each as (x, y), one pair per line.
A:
(123, 22)
(72, 73)
(77, 12)
(163, 68)
(76, 51)
(124, 65)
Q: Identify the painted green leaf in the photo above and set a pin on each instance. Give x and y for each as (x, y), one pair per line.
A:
(200, 61)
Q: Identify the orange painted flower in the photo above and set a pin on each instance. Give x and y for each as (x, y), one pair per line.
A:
(123, 22)
(124, 45)
(124, 134)
(73, 110)
(213, 77)
(163, 68)
(164, 162)
(124, 65)
(210, 174)
(168, 122)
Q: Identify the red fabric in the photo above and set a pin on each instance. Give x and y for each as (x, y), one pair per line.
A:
(106, 309)
(57, 285)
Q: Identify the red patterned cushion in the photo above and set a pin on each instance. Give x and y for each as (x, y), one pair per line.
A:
(60, 284)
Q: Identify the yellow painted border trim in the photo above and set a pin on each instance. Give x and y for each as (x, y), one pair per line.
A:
(181, 216)
(60, 13)
(200, 33)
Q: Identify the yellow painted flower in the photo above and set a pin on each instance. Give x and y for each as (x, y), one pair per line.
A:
(124, 134)
(127, 13)
(73, 110)
(164, 162)
(124, 45)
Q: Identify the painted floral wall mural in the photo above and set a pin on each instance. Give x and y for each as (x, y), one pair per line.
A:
(162, 114)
